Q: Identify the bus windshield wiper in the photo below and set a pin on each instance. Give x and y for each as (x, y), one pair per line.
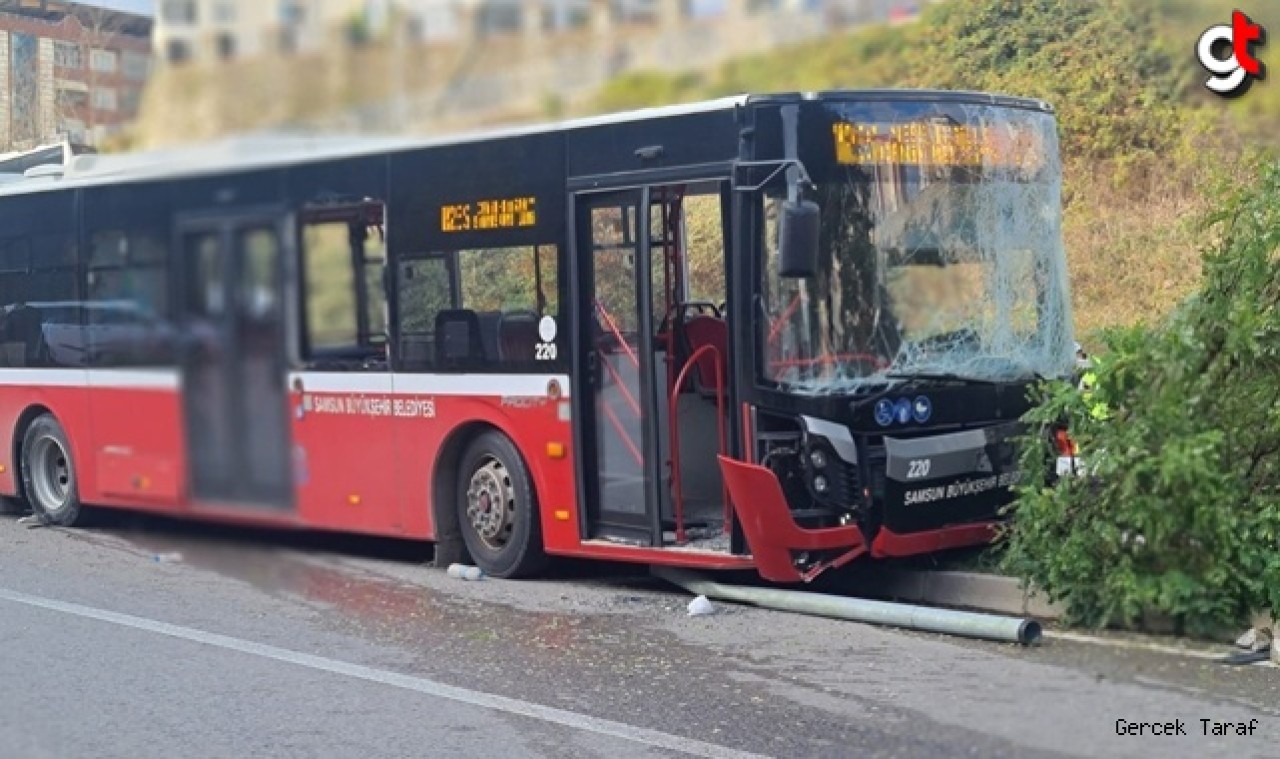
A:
(943, 377)
(965, 378)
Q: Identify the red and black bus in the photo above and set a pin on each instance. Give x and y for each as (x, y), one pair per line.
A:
(773, 332)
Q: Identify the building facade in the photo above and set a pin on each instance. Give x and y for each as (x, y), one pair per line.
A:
(68, 71)
(206, 31)
(209, 31)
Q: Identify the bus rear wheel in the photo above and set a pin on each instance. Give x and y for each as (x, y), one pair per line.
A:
(497, 509)
(49, 474)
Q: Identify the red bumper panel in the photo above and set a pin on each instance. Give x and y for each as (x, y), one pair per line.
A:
(888, 543)
(771, 532)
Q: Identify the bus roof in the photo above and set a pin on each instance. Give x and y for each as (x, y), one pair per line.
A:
(280, 149)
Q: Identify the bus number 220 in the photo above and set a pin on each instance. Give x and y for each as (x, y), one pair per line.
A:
(546, 352)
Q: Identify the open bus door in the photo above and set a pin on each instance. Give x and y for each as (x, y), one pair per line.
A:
(617, 405)
(233, 317)
(653, 408)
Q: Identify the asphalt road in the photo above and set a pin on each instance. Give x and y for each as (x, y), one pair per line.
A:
(142, 638)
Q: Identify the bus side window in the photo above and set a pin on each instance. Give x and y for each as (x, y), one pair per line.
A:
(127, 314)
(423, 291)
(345, 304)
(514, 291)
(706, 253)
(41, 324)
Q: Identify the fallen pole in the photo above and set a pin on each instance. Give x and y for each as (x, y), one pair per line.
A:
(963, 623)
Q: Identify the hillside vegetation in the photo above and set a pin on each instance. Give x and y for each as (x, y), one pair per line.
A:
(1179, 511)
(1141, 139)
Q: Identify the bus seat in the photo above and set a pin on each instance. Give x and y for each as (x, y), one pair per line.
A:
(13, 354)
(458, 337)
(416, 351)
(518, 336)
(26, 325)
(708, 330)
(489, 321)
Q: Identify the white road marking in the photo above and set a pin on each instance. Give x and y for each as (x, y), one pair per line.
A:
(584, 722)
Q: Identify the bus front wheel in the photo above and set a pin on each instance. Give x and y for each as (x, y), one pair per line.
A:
(497, 508)
(49, 474)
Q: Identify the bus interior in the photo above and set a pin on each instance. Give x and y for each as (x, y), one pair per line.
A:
(689, 361)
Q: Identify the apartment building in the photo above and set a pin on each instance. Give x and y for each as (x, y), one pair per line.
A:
(68, 71)
(205, 31)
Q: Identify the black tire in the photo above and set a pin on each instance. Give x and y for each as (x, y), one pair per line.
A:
(498, 510)
(49, 473)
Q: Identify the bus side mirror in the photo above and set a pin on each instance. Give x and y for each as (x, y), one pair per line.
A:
(798, 240)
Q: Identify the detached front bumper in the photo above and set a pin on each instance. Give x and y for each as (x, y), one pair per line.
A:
(934, 492)
(776, 541)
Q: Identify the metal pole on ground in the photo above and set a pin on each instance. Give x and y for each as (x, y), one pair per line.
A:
(963, 623)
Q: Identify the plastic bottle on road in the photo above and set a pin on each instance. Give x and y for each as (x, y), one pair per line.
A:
(464, 572)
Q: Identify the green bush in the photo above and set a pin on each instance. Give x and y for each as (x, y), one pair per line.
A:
(1115, 91)
(645, 89)
(1180, 511)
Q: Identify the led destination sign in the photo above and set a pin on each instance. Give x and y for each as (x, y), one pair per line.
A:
(483, 215)
(934, 144)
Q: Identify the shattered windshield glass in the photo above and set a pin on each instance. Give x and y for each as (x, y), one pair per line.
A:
(940, 252)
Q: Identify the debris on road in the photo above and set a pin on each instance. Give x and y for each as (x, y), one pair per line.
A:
(31, 522)
(1247, 657)
(1254, 639)
(172, 557)
(464, 572)
(701, 607)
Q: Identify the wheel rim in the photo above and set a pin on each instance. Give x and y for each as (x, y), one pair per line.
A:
(491, 503)
(50, 473)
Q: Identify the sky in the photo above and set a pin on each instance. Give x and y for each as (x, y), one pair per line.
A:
(145, 7)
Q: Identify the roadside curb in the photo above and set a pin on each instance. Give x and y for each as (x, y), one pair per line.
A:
(996, 594)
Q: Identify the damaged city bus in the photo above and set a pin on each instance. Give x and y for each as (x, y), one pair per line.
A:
(772, 332)
(912, 285)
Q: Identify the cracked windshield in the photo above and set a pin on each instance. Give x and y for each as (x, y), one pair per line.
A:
(939, 252)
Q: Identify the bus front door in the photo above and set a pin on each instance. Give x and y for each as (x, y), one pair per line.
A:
(233, 360)
(616, 367)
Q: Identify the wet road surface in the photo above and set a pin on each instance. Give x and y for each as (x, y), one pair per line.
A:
(141, 637)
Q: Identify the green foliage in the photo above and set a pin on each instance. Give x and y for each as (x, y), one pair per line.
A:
(644, 89)
(705, 237)
(1181, 510)
(424, 292)
(506, 279)
(1113, 89)
(553, 106)
(873, 57)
